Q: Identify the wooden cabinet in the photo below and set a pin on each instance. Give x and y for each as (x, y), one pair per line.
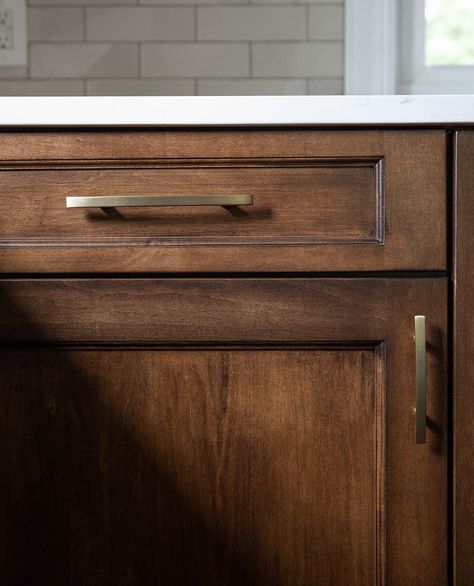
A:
(323, 201)
(225, 430)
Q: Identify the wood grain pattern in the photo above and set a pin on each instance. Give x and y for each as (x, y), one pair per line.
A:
(206, 309)
(226, 439)
(295, 202)
(339, 213)
(203, 467)
(463, 377)
(230, 431)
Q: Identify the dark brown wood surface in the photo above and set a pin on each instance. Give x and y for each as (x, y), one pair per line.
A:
(221, 432)
(463, 361)
(295, 202)
(209, 309)
(338, 200)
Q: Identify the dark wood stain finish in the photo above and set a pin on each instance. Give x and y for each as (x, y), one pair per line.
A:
(255, 431)
(235, 431)
(203, 467)
(364, 200)
(463, 361)
(295, 202)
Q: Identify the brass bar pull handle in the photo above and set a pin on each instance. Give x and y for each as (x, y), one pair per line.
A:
(420, 376)
(134, 201)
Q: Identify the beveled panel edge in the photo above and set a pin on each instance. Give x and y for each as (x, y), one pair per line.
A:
(378, 347)
(380, 467)
(189, 162)
(374, 162)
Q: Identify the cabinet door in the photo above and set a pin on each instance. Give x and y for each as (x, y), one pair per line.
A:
(221, 432)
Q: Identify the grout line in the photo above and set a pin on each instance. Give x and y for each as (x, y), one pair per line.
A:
(84, 23)
(172, 78)
(170, 4)
(156, 78)
(307, 22)
(250, 59)
(192, 41)
(195, 22)
(28, 60)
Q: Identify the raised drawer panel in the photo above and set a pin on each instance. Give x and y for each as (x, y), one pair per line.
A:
(295, 202)
(361, 200)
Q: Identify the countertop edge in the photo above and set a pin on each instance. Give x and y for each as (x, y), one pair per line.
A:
(199, 111)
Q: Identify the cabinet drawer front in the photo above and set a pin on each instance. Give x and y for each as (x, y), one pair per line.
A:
(361, 200)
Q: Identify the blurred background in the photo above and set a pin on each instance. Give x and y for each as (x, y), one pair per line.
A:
(235, 47)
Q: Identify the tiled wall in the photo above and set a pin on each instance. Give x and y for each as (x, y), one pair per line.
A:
(180, 47)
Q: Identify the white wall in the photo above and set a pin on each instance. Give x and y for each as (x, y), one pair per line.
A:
(180, 47)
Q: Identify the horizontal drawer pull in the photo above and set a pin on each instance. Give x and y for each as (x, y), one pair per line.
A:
(135, 201)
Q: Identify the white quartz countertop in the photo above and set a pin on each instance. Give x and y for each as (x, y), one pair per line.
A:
(239, 111)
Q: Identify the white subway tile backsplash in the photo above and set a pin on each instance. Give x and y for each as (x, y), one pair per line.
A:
(140, 23)
(197, 2)
(181, 47)
(41, 87)
(84, 60)
(328, 87)
(297, 59)
(326, 22)
(251, 87)
(55, 24)
(195, 60)
(82, 2)
(297, 1)
(9, 71)
(140, 87)
(242, 23)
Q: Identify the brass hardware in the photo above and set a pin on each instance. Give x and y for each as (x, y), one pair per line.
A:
(420, 379)
(121, 201)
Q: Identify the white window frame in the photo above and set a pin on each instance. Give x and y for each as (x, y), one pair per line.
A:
(379, 60)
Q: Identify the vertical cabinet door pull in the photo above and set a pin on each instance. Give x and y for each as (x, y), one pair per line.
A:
(420, 379)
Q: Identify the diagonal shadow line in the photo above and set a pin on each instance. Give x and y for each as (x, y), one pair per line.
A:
(84, 501)
(437, 350)
(176, 219)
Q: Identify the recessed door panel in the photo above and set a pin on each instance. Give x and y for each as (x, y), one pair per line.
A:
(256, 441)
